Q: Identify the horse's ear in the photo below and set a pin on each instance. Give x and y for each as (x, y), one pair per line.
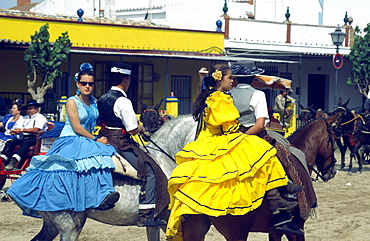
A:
(156, 107)
(340, 101)
(345, 104)
(143, 105)
(301, 106)
(310, 107)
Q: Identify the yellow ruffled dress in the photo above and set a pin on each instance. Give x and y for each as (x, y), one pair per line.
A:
(222, 172)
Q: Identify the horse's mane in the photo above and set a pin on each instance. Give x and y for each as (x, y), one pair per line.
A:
(301, 128)
(171, 137)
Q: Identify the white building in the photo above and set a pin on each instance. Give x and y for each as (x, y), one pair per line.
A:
(306, 57)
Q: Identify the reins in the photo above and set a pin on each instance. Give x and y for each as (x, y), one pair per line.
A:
(155, 144)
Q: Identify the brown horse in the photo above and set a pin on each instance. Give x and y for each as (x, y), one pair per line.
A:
(316, 141)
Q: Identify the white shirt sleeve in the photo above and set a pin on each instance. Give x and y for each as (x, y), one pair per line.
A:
(259, 105)
(40, 122)
(123, 110)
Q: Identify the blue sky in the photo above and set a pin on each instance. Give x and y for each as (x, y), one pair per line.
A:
(6, 4)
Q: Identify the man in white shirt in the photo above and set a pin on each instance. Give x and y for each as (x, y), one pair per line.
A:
(118, 121)
(252, 107)
(32, 124)
(280, 107)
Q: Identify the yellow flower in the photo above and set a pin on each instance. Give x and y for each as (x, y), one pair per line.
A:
(217, 75)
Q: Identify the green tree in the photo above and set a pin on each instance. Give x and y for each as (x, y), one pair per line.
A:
(360, 60)
(44, 59)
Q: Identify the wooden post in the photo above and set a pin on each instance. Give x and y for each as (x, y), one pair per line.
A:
(227, 25)
(288, 31)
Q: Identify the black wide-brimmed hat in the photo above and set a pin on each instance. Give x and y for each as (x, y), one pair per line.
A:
(245, 68)
(119, 68)
(31, 103)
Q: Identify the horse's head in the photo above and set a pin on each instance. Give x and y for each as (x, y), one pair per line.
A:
(306, 114)
(342, 111)
(151, 118)
(325, 159)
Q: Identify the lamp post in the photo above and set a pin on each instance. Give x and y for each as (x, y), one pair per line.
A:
(337, 37)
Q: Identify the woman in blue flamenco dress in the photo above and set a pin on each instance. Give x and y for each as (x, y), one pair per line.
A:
(76, 172)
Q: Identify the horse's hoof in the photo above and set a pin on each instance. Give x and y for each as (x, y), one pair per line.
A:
(342, 166)
(349, 173)
(359, 172)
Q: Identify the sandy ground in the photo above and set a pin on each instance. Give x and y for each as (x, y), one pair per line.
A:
(343, 214)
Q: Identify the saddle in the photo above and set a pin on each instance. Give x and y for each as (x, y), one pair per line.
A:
(123, 167)
(295, 165)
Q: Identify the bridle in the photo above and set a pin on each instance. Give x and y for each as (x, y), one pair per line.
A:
(319, 173)
(160, 121)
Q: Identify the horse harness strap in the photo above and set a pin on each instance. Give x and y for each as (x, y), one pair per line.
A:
(356, 117)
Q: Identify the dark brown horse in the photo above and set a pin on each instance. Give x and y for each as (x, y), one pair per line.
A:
(316, 141)
(360, 137)
(307, 114)
(345, 127)
(151, 118)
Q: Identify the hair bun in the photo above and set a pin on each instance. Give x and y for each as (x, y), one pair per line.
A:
(86, 67)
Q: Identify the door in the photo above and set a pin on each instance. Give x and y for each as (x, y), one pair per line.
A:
(317, 85)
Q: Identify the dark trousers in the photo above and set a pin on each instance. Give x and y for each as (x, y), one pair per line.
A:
(150, 191)
(24, 144)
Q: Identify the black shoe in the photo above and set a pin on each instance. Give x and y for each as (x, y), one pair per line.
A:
(109, 201)
(153, 221)
(292, 188)
(290, 227)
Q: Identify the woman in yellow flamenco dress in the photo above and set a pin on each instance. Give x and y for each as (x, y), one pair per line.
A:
(223, 172)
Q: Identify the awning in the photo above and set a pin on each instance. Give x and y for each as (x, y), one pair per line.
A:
(182, 56)
(271, 82)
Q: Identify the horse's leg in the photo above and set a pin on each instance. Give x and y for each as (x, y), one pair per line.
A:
(342, 150)
(152, 233)
(68, 223)
(48, 231)
(359, 159)
(234, 228)
(195, 227)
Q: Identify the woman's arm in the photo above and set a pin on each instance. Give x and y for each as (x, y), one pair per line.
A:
(72, 111)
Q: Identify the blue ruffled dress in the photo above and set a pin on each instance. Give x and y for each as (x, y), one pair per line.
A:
(74, 175)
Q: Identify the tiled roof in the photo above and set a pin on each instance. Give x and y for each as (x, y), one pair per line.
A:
(25, 7)
(119, 21)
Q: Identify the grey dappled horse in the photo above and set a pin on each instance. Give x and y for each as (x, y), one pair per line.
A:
(68, 224)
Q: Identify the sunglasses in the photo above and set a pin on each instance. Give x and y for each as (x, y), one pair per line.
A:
(86, 83)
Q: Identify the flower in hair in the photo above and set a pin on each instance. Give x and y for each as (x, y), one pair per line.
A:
(217, 75)
(86, 67)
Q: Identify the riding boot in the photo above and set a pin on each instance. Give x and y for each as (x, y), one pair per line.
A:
(146, 218)
(292, 188)
(277, 203)
(284, 222)
(109, 201)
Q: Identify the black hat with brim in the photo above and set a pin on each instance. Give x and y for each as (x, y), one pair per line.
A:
(31, 103)
(245, 68)
(119, 68)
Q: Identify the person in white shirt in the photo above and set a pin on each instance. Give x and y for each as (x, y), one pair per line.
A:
(252, 107)
(280, 107)
(118, 121)
(28, 129)
(367, 102)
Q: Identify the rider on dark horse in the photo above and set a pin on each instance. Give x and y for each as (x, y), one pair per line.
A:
(252, 107)
(119, 122)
